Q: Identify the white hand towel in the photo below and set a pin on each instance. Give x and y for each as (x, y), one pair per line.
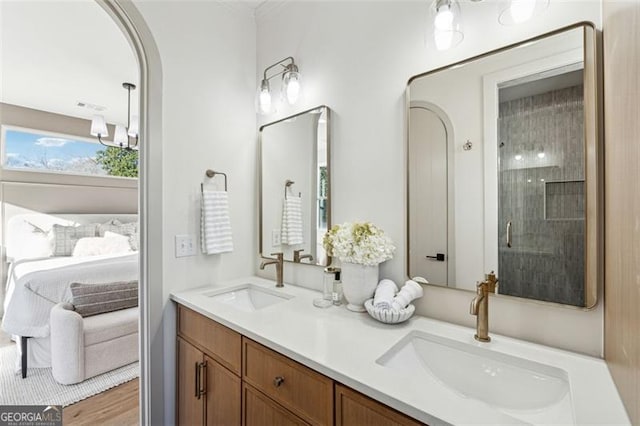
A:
(291, 231)
(385, 292)
(410, 291)
(215, 223)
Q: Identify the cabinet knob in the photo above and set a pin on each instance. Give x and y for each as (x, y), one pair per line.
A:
(278, 381)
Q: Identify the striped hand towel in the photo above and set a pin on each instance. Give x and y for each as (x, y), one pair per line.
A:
(291, 231)
(215, 224)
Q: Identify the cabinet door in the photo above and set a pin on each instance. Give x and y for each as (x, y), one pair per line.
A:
(223, 395)
(190, 408)
(353, 408)
(260, 411)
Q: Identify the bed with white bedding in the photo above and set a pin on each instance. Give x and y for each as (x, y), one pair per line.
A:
(35, 286)
(37, 281)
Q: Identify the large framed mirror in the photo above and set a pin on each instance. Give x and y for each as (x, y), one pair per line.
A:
(295, 186)
(503, 170)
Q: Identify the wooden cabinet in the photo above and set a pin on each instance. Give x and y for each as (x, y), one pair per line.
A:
(220, 342)
(223, 397)
(353, 408)
(226, 379)
(299, 389)
(259, 410)
(190, 407)
(208, 391)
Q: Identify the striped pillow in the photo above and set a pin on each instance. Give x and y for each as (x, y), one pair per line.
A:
(94, 299)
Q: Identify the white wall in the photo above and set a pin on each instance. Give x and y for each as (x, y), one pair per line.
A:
(356, 57)
(208, 54)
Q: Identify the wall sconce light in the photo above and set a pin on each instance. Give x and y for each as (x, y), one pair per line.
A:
(447, 29)
(516, 12)
(123, 135)
(291, 85)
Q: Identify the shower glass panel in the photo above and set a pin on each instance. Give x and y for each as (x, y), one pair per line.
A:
(541, 191)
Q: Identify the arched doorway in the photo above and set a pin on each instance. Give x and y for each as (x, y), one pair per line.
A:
(151, 295)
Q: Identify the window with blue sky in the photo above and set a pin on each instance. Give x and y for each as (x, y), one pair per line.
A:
(33, 150)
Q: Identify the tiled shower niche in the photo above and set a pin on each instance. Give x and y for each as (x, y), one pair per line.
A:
(541, 194)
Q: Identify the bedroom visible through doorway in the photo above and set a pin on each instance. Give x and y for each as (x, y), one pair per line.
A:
(69, 205)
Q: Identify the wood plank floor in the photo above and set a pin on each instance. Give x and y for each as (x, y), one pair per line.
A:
(117, 406)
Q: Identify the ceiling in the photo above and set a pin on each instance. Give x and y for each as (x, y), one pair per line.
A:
(54, 54)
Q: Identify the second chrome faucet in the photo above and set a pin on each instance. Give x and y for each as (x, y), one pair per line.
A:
(279, 262)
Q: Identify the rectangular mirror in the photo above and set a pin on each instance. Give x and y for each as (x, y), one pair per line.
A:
(503, 170)
(295, 202)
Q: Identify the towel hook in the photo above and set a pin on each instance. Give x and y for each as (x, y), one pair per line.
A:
(287, 184)
(210, 174)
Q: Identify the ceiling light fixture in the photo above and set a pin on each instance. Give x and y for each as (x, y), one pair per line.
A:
(447, 30)
(291, 85)
(123, 135)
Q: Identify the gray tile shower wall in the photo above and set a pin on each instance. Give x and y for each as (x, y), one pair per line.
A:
(541, 192)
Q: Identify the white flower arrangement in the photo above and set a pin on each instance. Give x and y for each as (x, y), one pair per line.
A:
(361, 243)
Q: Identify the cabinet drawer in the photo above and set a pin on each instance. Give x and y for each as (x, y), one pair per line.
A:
(223, 344)
(306, 393)
(353, 408)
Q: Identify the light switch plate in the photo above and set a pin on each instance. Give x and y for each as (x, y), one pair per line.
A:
(275, 238)
(185, 245)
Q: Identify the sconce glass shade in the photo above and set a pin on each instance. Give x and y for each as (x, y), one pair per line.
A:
(99, 126)
(263, 100)
(120, 137)
(447, 27)
(514, 12)
(134, 126)
(291, 84)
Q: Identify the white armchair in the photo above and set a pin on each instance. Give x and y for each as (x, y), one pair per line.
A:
(86, 347)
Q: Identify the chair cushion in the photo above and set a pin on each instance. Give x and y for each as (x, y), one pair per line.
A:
(109, 326)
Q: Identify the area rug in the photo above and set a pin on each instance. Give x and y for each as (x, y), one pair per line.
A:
(39, 387)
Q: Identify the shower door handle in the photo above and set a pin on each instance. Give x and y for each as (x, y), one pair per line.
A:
(509, 234)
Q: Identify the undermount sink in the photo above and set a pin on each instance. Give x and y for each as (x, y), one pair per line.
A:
(510, 384)
(248, 297)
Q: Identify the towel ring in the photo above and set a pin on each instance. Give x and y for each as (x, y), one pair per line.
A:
(210, 174)
(287, 184)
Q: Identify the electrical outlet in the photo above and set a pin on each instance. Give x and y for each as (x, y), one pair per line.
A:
(275, 238)
(185, 246)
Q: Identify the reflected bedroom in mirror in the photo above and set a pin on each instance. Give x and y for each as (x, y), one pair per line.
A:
(295, 205)
(502, 171)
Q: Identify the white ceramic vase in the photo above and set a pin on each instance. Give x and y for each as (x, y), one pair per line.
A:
(358, 284)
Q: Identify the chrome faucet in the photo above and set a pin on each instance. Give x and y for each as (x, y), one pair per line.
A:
(279, 262)
(480, 306)
(297, 258)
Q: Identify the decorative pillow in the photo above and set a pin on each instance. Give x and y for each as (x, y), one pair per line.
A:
(94, 299)
(109, 244)
(25, 240)
(130, 229)
(64, 238)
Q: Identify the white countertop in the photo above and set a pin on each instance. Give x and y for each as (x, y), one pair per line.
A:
(344, 346)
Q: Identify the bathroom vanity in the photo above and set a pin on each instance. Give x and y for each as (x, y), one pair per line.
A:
(225, 378)
(249, 353)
